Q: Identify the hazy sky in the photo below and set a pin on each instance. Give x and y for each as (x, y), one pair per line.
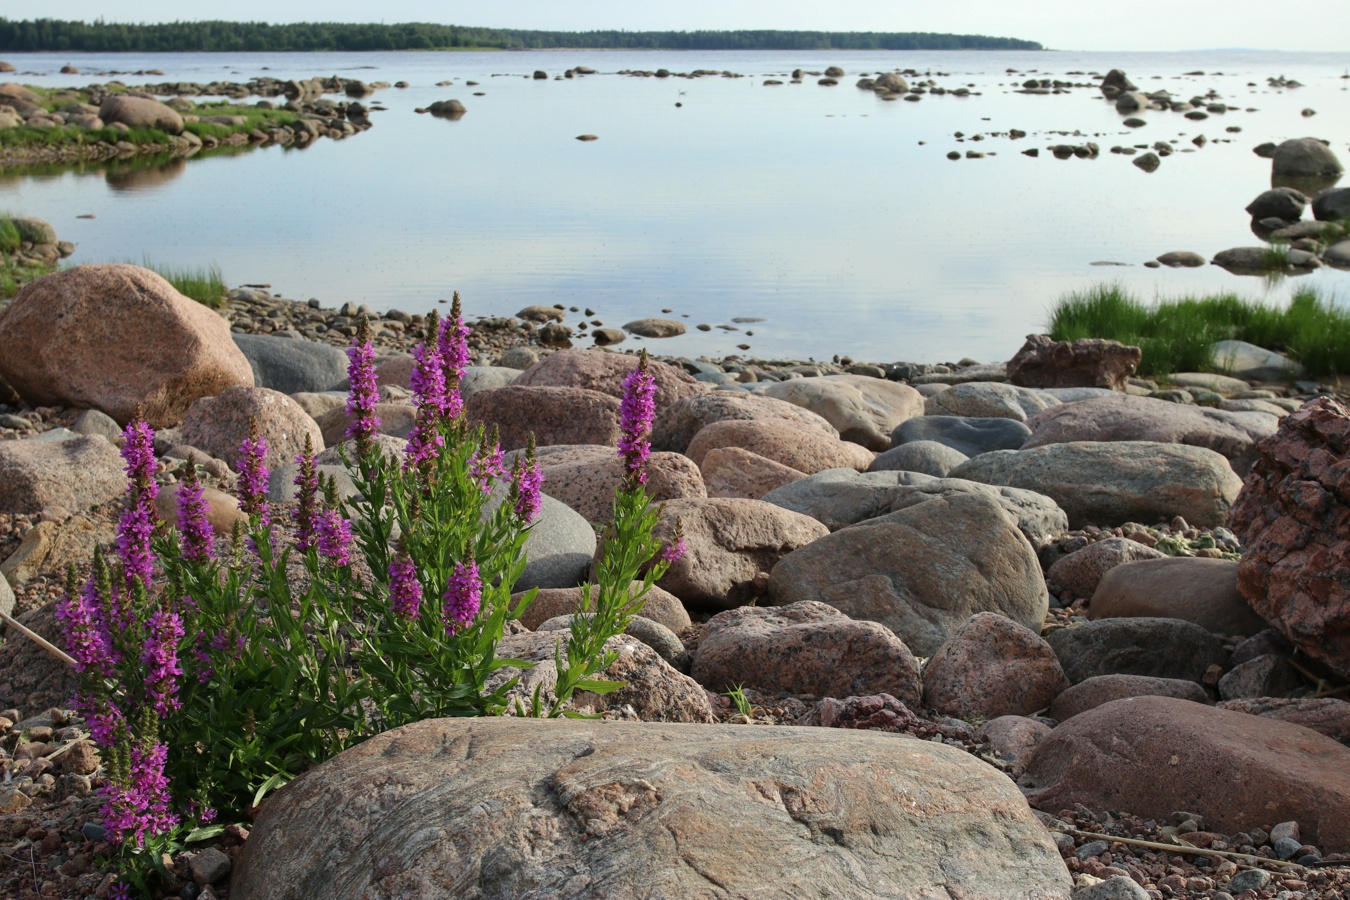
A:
(1060, 25)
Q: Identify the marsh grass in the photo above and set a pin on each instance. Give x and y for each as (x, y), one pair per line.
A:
(205, 285)
(1178, 335)
(26, 136)
(10, 239)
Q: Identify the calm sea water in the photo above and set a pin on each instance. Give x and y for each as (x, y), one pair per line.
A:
(832, 215)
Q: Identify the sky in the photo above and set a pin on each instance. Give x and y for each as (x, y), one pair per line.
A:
(1078, 25)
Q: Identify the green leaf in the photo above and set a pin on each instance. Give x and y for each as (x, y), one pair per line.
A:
(203, 834)
(599, 686)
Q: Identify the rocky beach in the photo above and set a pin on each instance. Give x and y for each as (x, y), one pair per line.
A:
(1034, 626)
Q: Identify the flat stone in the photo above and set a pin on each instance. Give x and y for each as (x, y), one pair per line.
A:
(1093, 692)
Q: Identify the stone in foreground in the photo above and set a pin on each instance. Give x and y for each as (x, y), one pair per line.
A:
(1153, 756)
(495, 808)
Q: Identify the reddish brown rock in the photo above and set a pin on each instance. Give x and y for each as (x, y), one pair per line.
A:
(989, 667)
(585, 477)
(676, 425)
(1046, 363)
(1325, 715)
(218, 425)
(784, 443)
(555, 415)
(1013, 738)
(658, 605)
(73, 475)
(396, 420)
(1293, 518)
(733, 472)
(875, 712)
(222, 510)
(1156, 755)
(1203, 591)
(1093, 692)
(805, 648)
(1128, 418)
(1077, 575)
(728, 543)
(600, 370)
(116, 338)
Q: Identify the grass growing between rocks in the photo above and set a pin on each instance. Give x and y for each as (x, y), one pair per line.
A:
(9, 235)
(206, 286)
(1177, 335)
(27, 136)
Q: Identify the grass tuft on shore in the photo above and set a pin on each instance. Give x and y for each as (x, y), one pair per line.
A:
(206, 286)
(10, 239)
(1176, 335)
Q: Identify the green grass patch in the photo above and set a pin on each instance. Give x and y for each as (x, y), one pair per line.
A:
(205, 285)
(9, 235)
(26, 136)
(1176, 335)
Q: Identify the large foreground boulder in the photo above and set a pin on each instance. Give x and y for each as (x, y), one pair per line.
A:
(1293, 518)
(498, 808)
(119, 339)
(219, 425)
(921, 571)
(1126, 418)
(1154, 756)
(1111, 483)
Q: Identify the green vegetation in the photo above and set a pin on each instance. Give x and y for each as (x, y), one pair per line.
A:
(9, 235)
(1177, 335)
(206, 286)
(15, 271)
(256, 119)
(25, 136)
(115, 37)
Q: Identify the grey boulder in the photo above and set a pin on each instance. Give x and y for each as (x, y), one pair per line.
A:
(292, 366)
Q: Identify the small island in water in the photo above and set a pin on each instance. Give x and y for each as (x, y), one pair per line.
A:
(35, 35)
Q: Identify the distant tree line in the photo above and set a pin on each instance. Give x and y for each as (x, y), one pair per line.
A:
(115, 37)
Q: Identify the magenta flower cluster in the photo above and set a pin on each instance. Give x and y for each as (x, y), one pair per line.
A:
(194, 523)
(452, 345)
(307, 501)
(362, 394)
(334, 537)
(463, 597)
(137, 810)
(160, 657)
(636, 412)
(429, 392)
(405, 589)
(253, 477)
(488, 465)
(529, 482)
(88, 638)
(137, 523)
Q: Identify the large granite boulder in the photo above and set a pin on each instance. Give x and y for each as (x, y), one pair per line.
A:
(971, 435)
(292, 366)
(733, 472)
(675, 425)
(583, 809)
(921, 571)
(1154, 756)
(1091, 362)
(1127, 418)
(729, 544)
(1203, 591)
(1303, 157)
(783, 442)
(1325, 715)
(600, 370)
(864, 410)
(119, 339)
(218, 425)
(1111, 483)
(554, 415)
(73, 474)
(838, 498)
(1293, 518)
(140, 112)
(805, 648)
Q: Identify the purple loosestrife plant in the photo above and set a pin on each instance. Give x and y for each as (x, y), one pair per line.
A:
(527, 482)
(635, 421)
(463, 598)
(429, 394)
(306, 499)
(363, 393)
(253, 475)
(137, 523)
(452, 346)
(160, 658)
(193, 517)
(405, 590)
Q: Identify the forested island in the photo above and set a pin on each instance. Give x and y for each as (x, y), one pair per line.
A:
(33, 35)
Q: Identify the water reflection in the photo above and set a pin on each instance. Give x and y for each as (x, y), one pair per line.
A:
(152, 173)
(1311, 185)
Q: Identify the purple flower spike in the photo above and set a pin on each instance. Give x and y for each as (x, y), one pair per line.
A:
(363, 393)
(463, 598)
(428, 386)
(160, 657)
(487, 465)
(137, 522)
(140, 809)
(335, 537)
(307, 497)
(253, 475)
(193, 521)
(675, 550)
(526, 482)
(635, 422)
(104, 718)
(453, 347)
(87, 636)
(405, 590)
